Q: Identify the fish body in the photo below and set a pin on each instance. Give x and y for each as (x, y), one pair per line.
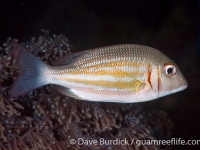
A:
(120, 73)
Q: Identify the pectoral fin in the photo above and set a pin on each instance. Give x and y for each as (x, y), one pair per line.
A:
(135, 85)
(141, 87)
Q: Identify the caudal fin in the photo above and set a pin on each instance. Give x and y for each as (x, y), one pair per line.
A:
(31, 71)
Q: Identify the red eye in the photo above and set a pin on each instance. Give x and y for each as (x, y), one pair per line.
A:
(169, 69)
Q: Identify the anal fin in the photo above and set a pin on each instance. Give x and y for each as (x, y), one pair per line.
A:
(66, 91)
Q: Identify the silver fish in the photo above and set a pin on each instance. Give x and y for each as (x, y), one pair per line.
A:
(120, 73)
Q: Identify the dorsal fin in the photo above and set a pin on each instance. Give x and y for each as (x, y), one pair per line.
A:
(69, 59)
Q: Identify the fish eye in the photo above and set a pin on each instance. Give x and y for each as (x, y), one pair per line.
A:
(169, 69)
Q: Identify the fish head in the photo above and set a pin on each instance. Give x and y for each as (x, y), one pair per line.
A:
(171, 79)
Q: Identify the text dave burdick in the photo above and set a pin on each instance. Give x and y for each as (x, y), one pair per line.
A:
(102, 141)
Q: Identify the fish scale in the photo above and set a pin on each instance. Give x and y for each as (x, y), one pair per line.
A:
(114, 58)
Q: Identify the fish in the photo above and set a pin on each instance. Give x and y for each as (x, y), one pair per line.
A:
(125, 73)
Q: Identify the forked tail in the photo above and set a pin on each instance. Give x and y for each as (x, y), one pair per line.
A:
(31, 71)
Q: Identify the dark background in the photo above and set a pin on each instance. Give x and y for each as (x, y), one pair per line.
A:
(168, 25)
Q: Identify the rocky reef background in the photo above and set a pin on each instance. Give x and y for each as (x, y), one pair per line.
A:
(47, 118)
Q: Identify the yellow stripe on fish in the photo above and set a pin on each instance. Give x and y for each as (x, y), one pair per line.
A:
(125, 66)
(106, 81)
(111, 75)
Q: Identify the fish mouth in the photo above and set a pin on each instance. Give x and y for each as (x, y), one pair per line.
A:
(180, 89)
(173, 91)
(183, 85)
